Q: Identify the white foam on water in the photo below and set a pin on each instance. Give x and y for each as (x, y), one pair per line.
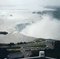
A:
(48, 28)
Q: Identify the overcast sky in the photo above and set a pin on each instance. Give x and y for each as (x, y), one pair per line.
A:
(27, 4)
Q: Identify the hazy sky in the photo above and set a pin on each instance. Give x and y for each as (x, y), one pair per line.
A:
(27, 4)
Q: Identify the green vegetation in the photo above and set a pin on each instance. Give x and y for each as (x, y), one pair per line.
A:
(39, 45)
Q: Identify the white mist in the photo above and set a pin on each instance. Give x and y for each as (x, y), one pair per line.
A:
(48, 27)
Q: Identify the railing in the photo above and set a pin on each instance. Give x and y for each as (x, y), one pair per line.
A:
(38, 58)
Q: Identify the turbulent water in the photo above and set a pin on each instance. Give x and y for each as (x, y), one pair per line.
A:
(48, 27)
(13, 21)
(24, 25)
